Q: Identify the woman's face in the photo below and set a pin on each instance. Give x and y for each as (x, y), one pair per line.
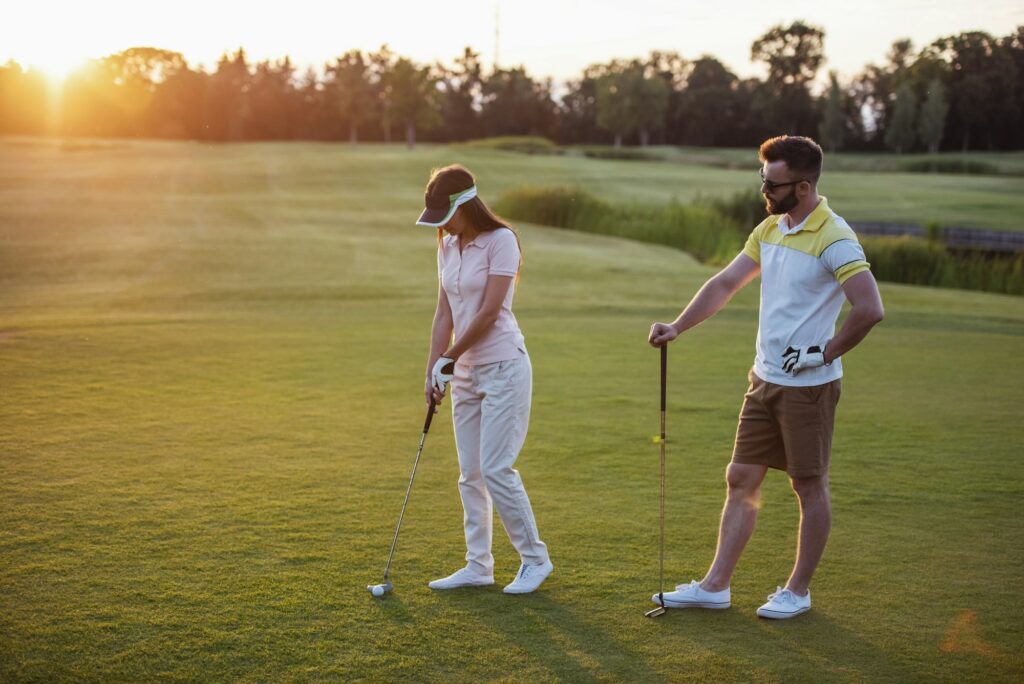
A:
(457, 224)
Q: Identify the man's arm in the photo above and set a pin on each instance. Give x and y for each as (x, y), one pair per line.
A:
(715, 294)
(865, 311)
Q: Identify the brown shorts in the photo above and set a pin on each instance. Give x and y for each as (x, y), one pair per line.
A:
(789, 428)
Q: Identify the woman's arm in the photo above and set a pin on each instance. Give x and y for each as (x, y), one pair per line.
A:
(440, 337)
(494, 296)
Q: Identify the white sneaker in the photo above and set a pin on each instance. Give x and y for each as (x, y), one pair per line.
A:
(692, 596)
(462, 578)
(529, 578)
(784, 604)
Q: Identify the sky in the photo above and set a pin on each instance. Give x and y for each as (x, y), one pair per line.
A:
(555, 38)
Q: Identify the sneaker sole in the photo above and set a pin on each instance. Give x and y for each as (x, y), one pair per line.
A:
(515, 592)
(461, 586)
(695, 604)
(773, 615)
(523, 591)
(509, 590)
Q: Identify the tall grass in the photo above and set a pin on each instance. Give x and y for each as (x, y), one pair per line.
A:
(926, 262)
(745, 207)
(947, 165)
(525, 144)
(713, 229)
(701, 230)
(619, 153)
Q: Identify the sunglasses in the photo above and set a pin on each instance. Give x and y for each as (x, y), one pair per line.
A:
(771, 186)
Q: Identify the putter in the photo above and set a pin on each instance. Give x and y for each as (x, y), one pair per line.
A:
(660, 610)
(379, 590)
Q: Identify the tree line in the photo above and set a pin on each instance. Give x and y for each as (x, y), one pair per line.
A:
(959, 92)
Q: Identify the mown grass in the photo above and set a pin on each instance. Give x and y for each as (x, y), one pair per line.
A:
(211, 362)
(862, 195)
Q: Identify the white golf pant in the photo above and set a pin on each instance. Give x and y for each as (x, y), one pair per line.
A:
(490, 412)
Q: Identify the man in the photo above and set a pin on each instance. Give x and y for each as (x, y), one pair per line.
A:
(808, 259)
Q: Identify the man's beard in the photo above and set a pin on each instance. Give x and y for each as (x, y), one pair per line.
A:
(782, 206)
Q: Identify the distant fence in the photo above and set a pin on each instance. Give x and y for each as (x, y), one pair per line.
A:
(955, 237)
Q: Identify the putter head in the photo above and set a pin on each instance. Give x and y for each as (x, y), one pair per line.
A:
(660, 610)
(385, 588)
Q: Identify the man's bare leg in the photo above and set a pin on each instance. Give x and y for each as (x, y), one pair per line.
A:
(815, 524)
(739, 516)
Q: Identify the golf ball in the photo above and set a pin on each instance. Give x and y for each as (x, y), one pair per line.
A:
(378, 591)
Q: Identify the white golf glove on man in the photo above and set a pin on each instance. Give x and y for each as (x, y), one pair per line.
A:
(444, 371)
(796, 359)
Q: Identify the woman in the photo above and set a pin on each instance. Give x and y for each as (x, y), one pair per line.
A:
(478, 262)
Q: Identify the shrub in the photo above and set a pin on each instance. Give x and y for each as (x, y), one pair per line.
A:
(703, 231)
(992, 273)
(554, 206)
(524, 144)
(933, 231)
(746, 207)
(946, 165)
(619, 153)
(906, 259)
(911, 260)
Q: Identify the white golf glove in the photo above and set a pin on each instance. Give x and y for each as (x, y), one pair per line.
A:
(796, 359)
(444, 371)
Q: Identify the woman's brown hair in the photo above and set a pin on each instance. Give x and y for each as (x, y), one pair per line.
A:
(455, 178)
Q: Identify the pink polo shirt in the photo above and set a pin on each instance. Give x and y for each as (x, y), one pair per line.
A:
(464, 278)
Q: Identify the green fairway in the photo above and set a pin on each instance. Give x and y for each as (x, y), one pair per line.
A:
(211, 373)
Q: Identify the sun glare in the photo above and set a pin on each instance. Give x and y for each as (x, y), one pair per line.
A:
(57, 67)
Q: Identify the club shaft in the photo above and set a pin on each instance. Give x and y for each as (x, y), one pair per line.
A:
(661, 442)
(408, 489)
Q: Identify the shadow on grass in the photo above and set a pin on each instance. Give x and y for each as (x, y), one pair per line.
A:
(571, 643)
(392, 607)
(558, 637)
(819, 642)
(790, 649)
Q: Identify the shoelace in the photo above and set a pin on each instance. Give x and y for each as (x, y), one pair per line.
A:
(783, 596)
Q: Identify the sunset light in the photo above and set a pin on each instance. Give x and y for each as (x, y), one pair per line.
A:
(251, 253)
(550, 39)
(57, 67)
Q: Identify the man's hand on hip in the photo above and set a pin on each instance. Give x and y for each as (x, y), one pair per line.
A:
(796, 359)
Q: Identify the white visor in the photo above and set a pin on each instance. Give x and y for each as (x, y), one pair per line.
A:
(437, 216)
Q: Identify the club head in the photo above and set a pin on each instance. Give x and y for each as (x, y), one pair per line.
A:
(660, 610)
(379, 590)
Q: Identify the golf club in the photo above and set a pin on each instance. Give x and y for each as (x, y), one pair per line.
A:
(379, 590)
(660, 610)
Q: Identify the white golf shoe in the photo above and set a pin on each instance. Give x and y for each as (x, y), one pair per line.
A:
(784, 604)
(692, 596)
(462, 578)
(529, 578)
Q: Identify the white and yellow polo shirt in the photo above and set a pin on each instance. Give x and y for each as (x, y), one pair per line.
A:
(802, 271)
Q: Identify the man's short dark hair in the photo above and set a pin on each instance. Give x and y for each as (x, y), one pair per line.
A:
(801, 154)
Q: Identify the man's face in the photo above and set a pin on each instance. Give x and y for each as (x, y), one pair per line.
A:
(779, 187)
